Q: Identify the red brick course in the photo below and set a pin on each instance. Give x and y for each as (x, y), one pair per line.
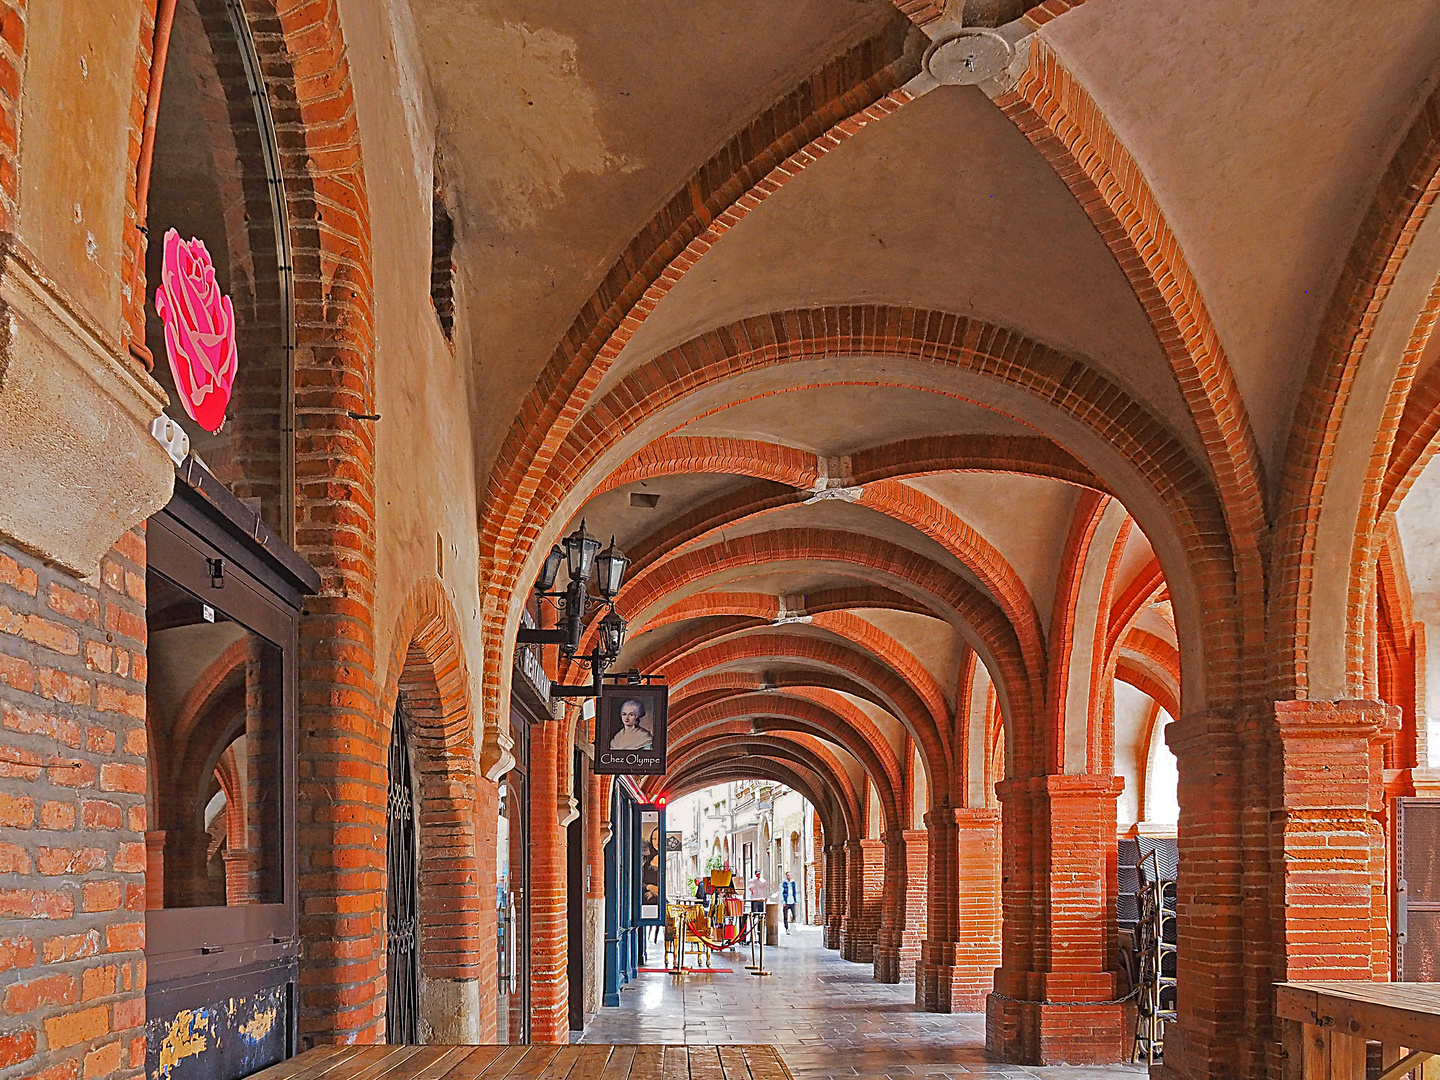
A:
(72, 801)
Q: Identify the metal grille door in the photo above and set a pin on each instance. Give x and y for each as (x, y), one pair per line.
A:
(1417, 892)
(402, 990)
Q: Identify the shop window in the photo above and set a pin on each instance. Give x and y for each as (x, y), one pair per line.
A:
(214, 715)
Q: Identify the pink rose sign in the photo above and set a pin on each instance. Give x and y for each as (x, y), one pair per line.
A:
(199, 330)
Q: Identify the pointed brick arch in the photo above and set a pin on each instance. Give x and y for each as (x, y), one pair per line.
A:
(427, 673)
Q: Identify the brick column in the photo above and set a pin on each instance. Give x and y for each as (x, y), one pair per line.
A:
(962, 949)
(917, 881)
(1327, 849)
(866, 865)
(889, 937)
(1041, 1011)
(937, 951)
(978, 843)
(549, 983)
(834, 894)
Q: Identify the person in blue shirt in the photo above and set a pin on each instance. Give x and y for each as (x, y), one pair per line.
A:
(789, 897)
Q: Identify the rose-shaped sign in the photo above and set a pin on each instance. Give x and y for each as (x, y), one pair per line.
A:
(199, 330)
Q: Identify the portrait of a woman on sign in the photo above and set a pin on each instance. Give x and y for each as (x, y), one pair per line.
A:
(630, 730)
(632, 734)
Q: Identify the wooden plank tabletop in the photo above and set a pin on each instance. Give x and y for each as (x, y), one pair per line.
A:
(1400, 1014)
(587, 1061)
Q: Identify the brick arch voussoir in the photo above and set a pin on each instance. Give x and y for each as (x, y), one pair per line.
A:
(972, 609)
(797, 747)
(852, 628)
(889, 497)
(427, 666)
(1053, 109)
(831, 814)
(312, 99)
(1179, 484)
(1416, 439)
(875, 681)
(816, 759)
(838, 721)
(1406, 193)
(1140, 676)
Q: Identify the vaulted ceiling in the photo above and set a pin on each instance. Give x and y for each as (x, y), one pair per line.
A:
(829, 529)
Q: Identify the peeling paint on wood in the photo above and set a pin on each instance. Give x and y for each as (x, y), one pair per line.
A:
(224, 1041)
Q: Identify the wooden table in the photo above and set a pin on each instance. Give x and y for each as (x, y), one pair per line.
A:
(1325, 1026)
(539, 1062)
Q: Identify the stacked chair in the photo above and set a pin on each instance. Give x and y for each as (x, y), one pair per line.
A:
(1153, 961)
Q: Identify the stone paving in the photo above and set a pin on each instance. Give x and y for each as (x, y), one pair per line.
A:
(828, 1016)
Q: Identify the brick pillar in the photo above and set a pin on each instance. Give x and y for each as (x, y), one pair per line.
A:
(549, 982)
(916, 883)
(834, 894)
(962, 949)
(1327, 848)
(865, 867)
(978, 843)
(889, 937)
(1040, 1012)
(937, 951)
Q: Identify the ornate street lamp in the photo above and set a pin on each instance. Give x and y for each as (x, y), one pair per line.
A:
(612, 635)
(611, 565)
(580, 554)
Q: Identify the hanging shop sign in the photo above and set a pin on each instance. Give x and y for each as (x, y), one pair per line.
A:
(199, 330)
(630, 729)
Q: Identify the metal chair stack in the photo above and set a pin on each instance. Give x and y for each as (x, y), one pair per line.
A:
(1155, 947)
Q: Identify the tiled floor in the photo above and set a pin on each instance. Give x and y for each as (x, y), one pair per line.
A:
(828, 1016)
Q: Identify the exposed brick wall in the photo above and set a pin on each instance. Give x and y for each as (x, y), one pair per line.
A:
(865, 865)
(72, 803)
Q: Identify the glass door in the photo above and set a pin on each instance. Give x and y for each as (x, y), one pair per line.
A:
(512, 896)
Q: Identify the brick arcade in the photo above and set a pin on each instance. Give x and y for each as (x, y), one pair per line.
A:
(1012, 461)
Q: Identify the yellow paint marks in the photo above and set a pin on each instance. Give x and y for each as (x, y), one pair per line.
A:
(185, 1038)
(259, 1025)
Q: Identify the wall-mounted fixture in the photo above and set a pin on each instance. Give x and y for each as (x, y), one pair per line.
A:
(581, 556)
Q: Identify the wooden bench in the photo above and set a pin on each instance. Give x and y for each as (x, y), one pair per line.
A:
(1325, 1026)
(591, 1061)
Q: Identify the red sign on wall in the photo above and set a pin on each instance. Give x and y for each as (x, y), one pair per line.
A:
(199, 330)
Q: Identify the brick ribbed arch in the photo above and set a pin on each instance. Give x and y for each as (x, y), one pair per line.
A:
(969, 609)
(1031, 455)
(752, 760)
(875, 681)
(831, 815)
(854, 629)
(894, 500)
(846, 726)
(427, 665)
(1184, 517)
(1407, 192)
(1057, 114)
(794, 747)
(341, 847)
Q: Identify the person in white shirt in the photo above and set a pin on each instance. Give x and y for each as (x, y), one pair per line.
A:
(757, 889)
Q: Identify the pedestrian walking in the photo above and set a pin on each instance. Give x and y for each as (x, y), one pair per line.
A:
(789, 897)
